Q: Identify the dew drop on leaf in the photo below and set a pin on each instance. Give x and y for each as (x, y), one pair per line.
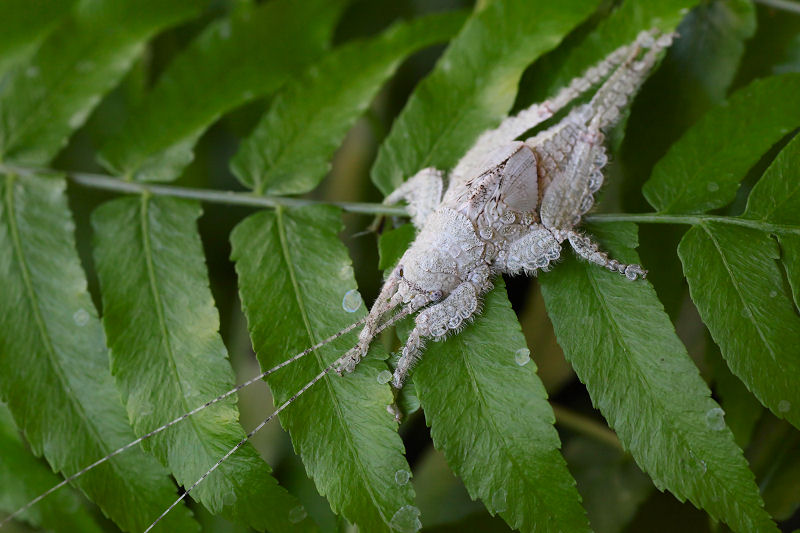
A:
(499, 503)
(784, 406)
(351, 301)
(522, 356)
(229, 499)
(297, 514)
(406, 520)
(715, 419)
(401, 477)
(696, 464)
(81, 317)
(773, 294)
(712, 186)
(384, 376)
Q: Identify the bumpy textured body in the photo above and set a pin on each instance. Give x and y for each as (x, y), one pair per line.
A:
(508, 208)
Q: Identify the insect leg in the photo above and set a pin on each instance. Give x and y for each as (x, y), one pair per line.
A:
(514, 126)
(533, 251)
(589, 250)
(387, 300)
(423, 192)
(436, 321)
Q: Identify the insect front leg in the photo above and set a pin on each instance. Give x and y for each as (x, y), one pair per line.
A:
(387, 300)
(585, 247)
(435, 322)
(423, 192)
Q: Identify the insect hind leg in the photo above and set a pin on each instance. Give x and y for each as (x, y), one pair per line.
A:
(435, 322)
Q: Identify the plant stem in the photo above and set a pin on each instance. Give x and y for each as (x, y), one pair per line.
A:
(663, 218)
(586, 426)
(109, 183)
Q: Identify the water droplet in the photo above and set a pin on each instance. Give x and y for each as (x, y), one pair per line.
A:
(406, 520)
(77, 119)
(384, 376)
(522, 356)
(32, 71)
(81, 317)
(455, 250)
(401, 477)
(229, 498)
(715, 419)
(696, 464)
(297, 514)
(773, 294)
(499, 503)
(784, 406)
(84, 66)
(351, 301)
(712, 186)
(225, 29)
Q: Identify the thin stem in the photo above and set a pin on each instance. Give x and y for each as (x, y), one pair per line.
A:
(659, 218)
(108, 183)
(785, 5)
(586, 426)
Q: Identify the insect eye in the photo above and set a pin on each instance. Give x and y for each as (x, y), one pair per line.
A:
(435, 296)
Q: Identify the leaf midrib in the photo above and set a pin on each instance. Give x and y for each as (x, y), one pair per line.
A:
(156, 294)
(58, 81)
(287, 256)
(44, 334)
(623, 344)
(739, 292)
(482, 400)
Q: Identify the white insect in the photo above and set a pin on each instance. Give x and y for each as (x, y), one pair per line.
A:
(508, 208)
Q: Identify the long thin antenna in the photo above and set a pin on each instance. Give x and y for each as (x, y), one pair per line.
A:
(284, 405)
(184, 416)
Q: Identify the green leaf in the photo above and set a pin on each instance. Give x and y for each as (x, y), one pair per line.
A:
(393, 244)
(473, 85)
(44, 101)
(776, 199)
(54, 364)
(619, 28)
(23, 24)
(290, 149)
(24, 478)
(703, 169)
(167, 356)
(234, 60)
(624, 348)
(695, 74)
(490, 418)
(293, 273)
(737, 285)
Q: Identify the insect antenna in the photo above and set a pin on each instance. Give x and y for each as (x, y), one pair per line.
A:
(184, 416)
(399, 316)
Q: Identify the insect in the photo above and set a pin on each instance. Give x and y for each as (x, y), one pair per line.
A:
(509, 208)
